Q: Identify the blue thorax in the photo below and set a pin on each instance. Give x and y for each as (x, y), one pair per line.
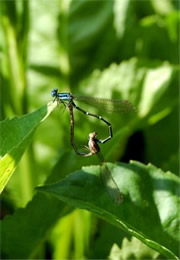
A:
(64, 96)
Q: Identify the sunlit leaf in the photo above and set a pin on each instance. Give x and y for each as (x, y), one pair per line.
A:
(149, 194)
(16, 134)
(17, 231)
(122, 16)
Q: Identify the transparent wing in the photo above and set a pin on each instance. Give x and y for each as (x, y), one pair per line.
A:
(110, 105)
(110, 185)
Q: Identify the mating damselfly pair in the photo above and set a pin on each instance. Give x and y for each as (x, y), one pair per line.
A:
(111, 105)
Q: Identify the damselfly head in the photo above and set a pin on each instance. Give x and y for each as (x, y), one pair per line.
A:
(92, 135)
(54, 92)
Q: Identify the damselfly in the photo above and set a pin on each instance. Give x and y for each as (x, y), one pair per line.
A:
(110, 184)
(111, 105)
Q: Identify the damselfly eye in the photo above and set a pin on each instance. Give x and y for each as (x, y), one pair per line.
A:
(54, 92)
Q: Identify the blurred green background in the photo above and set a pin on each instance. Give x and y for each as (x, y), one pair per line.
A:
(114, 49)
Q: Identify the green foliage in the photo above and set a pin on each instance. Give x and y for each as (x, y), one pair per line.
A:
(148, 192)
(112, 49)
(13, 145)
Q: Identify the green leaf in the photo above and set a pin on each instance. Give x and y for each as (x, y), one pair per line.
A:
(16, 134)
(149, 194)
(163, 7)
(156, 83)
(38, 217)
(76, 227)
(141, 82)
(23, 232)
(146, 84)
(133, 249)
(89, 39)
(122, 16)
(17, 231)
